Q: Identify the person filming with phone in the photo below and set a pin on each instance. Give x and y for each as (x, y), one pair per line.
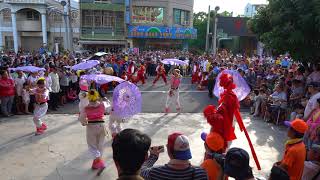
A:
(178, 167)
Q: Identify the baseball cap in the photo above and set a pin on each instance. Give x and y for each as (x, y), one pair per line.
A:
(313, 84)
(178, 144)
(298, 125)
(213, 140)
(236, 163)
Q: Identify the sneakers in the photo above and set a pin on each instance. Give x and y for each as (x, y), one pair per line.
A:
(98, 164)
(178, 110)
(44, 126)
(39, 131)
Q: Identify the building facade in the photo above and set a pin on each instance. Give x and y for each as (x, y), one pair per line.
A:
(252, 9)
(111, 25)
(102, 25)
(161, 24)
(30, 24)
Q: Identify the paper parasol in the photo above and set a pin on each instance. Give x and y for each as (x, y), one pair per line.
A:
(242, 89)
(100, 53)
(174, 62)
(101, 78)
(85, 65)
(29, 69)
(127, 100)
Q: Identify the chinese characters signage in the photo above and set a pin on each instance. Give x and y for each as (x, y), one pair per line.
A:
(161, 32)
(142, 14)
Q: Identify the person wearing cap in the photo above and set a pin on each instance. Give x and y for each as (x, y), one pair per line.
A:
(130, 148)
(313, 89)
(237, 164)
(311, 169)
(178, 167)
(213, 143)
(295, 150)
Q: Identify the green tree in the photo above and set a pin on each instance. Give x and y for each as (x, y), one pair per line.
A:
(200, 23)
(290, 26)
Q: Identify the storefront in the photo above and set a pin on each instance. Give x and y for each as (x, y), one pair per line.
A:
(153, 37)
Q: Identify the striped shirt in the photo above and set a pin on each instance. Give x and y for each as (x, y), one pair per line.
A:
(148, 172)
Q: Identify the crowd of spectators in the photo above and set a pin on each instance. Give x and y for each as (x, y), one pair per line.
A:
(283, 90)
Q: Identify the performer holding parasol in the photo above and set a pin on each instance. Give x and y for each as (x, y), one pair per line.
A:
(93, 119)
(173, 94)
(230, 88)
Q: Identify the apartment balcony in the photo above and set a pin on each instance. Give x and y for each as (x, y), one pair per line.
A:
(28, 25)
(101, 33)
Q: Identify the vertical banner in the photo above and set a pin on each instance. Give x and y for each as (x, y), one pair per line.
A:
(127, 4)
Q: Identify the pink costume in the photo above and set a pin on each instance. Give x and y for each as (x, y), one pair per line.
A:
(96, 132)
(173, 93)
(40, 109)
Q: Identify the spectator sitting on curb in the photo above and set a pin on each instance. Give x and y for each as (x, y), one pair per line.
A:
(295, 150)
(179, 166)
(213, 160)
(311, 169)
(130, 149)
(237, 164)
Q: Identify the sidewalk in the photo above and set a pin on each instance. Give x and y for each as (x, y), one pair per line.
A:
(61, 153)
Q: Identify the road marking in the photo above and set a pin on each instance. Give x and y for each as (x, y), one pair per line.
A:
(167, 91)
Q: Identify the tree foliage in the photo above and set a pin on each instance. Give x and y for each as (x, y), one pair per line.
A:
(290, 26)
(200, 23)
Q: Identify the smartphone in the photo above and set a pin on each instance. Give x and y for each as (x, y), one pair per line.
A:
(160, 148)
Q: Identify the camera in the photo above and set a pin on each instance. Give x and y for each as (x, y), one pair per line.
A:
(220, 158)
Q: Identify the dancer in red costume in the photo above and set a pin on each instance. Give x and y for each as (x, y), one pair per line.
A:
(161, 72)
(195, 73)
(130, 71)
(141, 73)
(221, 118)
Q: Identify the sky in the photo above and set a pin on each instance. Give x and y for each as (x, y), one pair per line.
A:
(235, 6)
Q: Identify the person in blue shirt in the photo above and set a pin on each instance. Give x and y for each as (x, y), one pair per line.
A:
(285, 62)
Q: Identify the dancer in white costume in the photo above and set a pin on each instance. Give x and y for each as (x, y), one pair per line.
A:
(41, 106)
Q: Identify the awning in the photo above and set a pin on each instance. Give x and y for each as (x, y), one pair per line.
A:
(104, 42)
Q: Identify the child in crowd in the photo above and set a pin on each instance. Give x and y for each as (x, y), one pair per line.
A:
(41, 106)
(26, 97)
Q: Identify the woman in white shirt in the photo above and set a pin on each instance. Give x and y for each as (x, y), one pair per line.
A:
(19, 81)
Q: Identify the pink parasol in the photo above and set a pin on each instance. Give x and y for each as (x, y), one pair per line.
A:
(101, 78)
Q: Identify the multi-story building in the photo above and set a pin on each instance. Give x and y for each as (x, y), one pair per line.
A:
(161, 23)
(30, 24)
(102, 25)
(252, 9)
(111, 25)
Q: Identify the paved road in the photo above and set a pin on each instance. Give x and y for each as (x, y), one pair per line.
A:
(61, 153)
(154, 98)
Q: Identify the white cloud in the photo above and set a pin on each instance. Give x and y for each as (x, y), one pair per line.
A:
(235, 6)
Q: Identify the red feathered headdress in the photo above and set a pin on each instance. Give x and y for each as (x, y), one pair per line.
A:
(209, 111)
(226, 81)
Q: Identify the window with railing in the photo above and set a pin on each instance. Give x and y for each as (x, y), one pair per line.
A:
(6, 14)
(33, 15)
(181, 17)
(100, 18)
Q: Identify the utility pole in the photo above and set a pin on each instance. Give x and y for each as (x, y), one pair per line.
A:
(208, 27)
(70, 26)
(214, 30)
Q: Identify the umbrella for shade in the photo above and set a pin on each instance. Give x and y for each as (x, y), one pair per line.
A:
(101, 78)
(85, 65)
(174, 62)
(29, 69)
(242, 89)
(127, 100)
(100, 53)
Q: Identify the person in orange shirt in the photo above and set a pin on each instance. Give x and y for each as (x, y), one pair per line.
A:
(214, 145)
(295, 150)
(161, 72)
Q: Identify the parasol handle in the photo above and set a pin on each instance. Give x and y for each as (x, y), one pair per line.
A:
(243, 128)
